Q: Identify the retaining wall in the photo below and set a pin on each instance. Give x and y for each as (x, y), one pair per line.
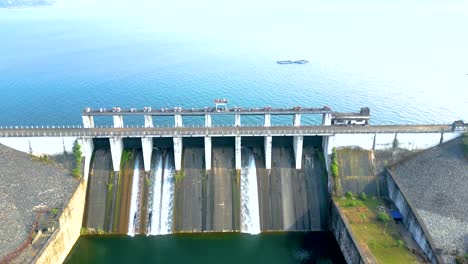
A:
(63, 239)
(408, 141)
(411, 219)
(348, 244)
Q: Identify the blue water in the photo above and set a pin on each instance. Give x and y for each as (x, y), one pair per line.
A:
(406, 60)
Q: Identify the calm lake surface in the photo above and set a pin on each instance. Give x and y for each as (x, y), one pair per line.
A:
(406, 60)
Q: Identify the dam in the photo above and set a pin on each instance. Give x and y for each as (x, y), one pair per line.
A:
(155, 180)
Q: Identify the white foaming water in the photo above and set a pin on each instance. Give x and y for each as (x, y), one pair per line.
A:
(163, 198)
(133, 200)
(250, 212)
(154, 228)
(167, 200)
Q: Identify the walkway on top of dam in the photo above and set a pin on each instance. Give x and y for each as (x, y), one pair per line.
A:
(187, 131)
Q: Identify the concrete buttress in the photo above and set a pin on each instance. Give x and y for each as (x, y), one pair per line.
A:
(178, 152)
(207, 153)
(116, 147)
(298, 143)
(118, 121)
(88, 121)
(238, 153)
(149, 121)
(268, 141)
(87, 147)
(147, 145)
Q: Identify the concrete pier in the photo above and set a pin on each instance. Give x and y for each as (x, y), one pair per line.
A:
(297, 120)
(118, 121)
(298, 142)
(238, 153)
(268, 142)
(178, 120)
(147, 145)
(326, 119)
(238, 120)
(116, 147)
(178, 152)
(207, 120)
(208, 149)
(87, 146)
(149, 121)
(88, 121)
(267, 120)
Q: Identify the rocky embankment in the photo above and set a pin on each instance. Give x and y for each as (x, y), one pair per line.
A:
(27, 184)
(436, 182)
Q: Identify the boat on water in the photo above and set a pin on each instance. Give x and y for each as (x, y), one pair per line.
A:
(291, 62)
(301, 61)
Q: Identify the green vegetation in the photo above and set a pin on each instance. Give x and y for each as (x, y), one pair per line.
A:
(335, 172)
(363, 196)
(54, 211)
(462, 259)
(465, 144)
(383, 217)
(386, 247)
(179, 176)
(76, 171)
(349, 195)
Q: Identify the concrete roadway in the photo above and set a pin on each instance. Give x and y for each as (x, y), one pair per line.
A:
(218, 131)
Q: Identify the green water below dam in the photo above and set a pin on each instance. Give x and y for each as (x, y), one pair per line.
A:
(295, 247)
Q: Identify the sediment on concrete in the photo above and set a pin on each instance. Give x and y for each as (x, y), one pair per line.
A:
(347, 242)
(189, 200)
(124, 192)
(222, 186)
(291, 199)
(411, 219)
(356, 171)
(98, 190)
(26, 185)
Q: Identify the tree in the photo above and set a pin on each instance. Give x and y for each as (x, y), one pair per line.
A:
(76, 172)
(384, 218)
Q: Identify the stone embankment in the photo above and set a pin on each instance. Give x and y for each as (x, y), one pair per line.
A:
(26, 185)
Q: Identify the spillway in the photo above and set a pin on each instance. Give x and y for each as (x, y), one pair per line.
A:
(250, 212)
(133, 220)
(162, 194)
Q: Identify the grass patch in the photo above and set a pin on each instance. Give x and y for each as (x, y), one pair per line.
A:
(381, 237)
(179, 176)
(54, 211)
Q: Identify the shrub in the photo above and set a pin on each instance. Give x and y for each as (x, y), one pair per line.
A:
(363, 196)
(350, 203)
(349, 195)
(399, 243)
(54, 211)
(383, 217)
(76, 172)
(462, 259)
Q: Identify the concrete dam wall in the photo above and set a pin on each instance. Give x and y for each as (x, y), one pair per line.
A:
(193, 199)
